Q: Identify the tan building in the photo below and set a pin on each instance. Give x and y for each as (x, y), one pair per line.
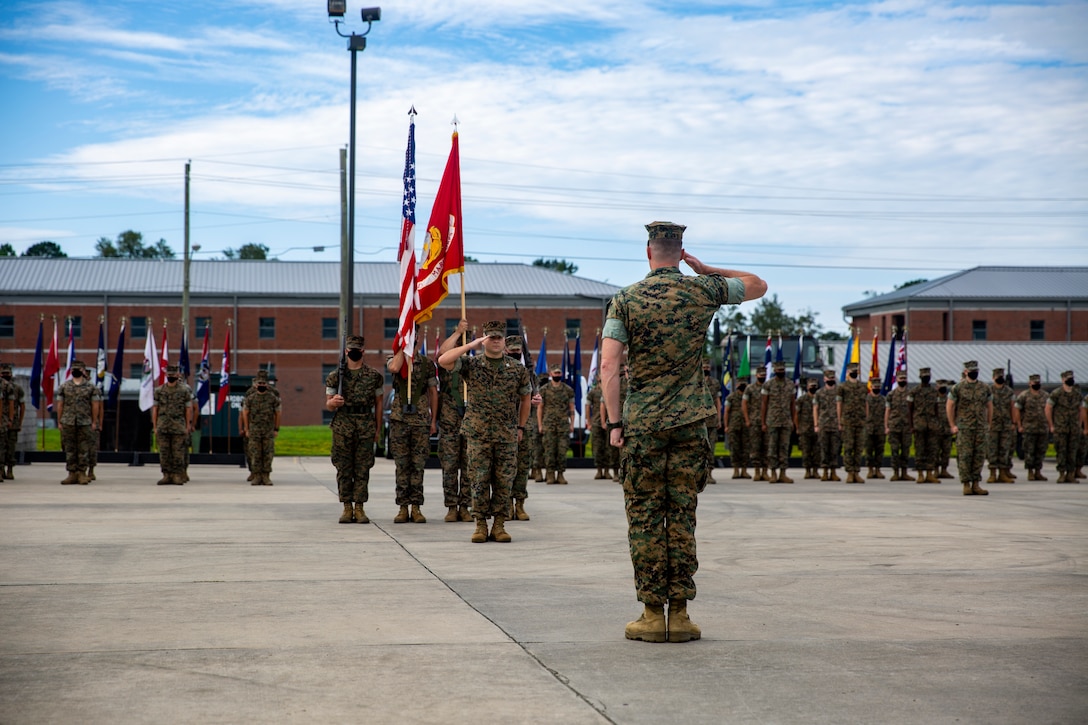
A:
(283, 315)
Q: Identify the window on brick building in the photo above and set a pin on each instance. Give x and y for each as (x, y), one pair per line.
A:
(330, 327)
(77, 326)
(202, 324)
(451, 325)
(137, 327)
(512, 326)
(7, 325)
(136, 371)
(1038, 330)
(266, 328)
(574, 327)
(978, 329)
(389, 327)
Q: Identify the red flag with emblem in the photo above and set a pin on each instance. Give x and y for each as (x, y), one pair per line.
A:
(444, 249)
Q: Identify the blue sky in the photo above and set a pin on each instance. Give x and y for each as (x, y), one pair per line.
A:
(831, 148)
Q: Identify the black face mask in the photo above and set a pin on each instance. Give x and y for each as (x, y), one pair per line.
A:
(829, 383)
(761, 380)
(812, 389)
(942, 390)
(1035, 386)
(780, 375)
(171, 378)
(741, 387)
(1000, 380)
(5, 377)
(925, 379)
(973, 375)
(355, 355)
(262, 388)
(77, 373)
(1070, 382)
(852, 376)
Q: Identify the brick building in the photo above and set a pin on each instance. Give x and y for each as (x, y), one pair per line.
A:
(999, 304)
(283, 315)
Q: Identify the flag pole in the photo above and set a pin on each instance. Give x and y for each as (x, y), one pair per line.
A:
(117, 410)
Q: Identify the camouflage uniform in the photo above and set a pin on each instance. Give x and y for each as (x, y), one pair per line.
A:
(77, 437)
(852, 398)
(353, 430)
(1065, 407)
(260, 409)
(410, 433)
(495, 387)
(535, 434)
(171, 431)
(970, 399)
(757, 442)
(806, 431)
(555, 424)
(779, 394)
(714, 422)
(7, 419)
(1031, 410)
(601, 447)
(519, 489)
(661, 320)
(944, 433)
(452, 450)
(897, 426)
(1002, 431)
(874, 429)
(926, 423)
(829, 436)
(16, 420)
(737, 433)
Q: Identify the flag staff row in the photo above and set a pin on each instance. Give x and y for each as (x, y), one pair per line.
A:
(46, 375)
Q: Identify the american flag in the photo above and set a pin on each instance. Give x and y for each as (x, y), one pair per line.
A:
(405, 338)
(901, 359)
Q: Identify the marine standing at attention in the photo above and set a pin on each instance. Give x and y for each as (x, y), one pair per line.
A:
(662, 322)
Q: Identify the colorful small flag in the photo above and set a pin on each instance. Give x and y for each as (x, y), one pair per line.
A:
(71, 353)
(49, 372)
(542, 358)
(204, 375)
(889, 374)
(767, 356)
(100, 358)
(150, 374)
(874, 364)
(576, 373)
(36, 370)
(224, 375)
(744, 370)
(114, 390)
(851, 352)
(164, 357)
(183, 355)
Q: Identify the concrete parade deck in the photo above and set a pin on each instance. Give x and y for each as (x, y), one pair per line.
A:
(221, 602)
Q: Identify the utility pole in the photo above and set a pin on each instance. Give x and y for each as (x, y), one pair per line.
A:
(346, 252)
(186, 259)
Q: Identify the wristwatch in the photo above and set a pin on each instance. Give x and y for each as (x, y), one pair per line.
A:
(614, 426)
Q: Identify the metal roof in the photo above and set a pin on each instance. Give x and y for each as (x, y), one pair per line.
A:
(37, 275)
(999, 284)
(945, 359)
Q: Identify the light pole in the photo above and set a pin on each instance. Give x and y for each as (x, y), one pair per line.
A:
(356, 42)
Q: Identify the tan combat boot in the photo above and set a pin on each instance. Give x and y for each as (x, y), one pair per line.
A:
(537, 475)
(1079, 473)
(943, 473)
(931, 476)
(498, 531)
(650, 627)
(877, 473)
(736, 473)
(347, 517)
(967, 490)
(82, 479)
(616, 475)
(783, 478)
(360, 515)
(417, 515)
(9, 472)
(519, 510)
(681, 628)
(252, 476)
(73, 477)
(452, 515)
(824, 475)
(1063, 477)
(90, 474)
(464, 514)
(1004, 477)
(598, 475)
(267, 480)
(834, 475)
(560, 478)
(921, 476)
(993, 475)
(979, 490)
(479, 536)
(402, 516)
(773, 478)
(744, 472)
(1031, 474)
(1039, 475)
(164, 481)
(549, 478)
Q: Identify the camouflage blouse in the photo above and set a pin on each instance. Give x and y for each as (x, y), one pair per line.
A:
(424, 377)
(926, 407)
(1032, 407)
(970, 398)
(495, 389)
(1066, 408)
(77, 399)
(172, 401)
(1003, 400)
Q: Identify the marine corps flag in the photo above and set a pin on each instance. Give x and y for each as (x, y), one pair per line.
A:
(444, 248)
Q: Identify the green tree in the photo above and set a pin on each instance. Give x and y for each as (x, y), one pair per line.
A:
(559, 265)
(912, 282)
(6, 250)
(247, 251)
(105, 248)
(130, 245)
(44, 249)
